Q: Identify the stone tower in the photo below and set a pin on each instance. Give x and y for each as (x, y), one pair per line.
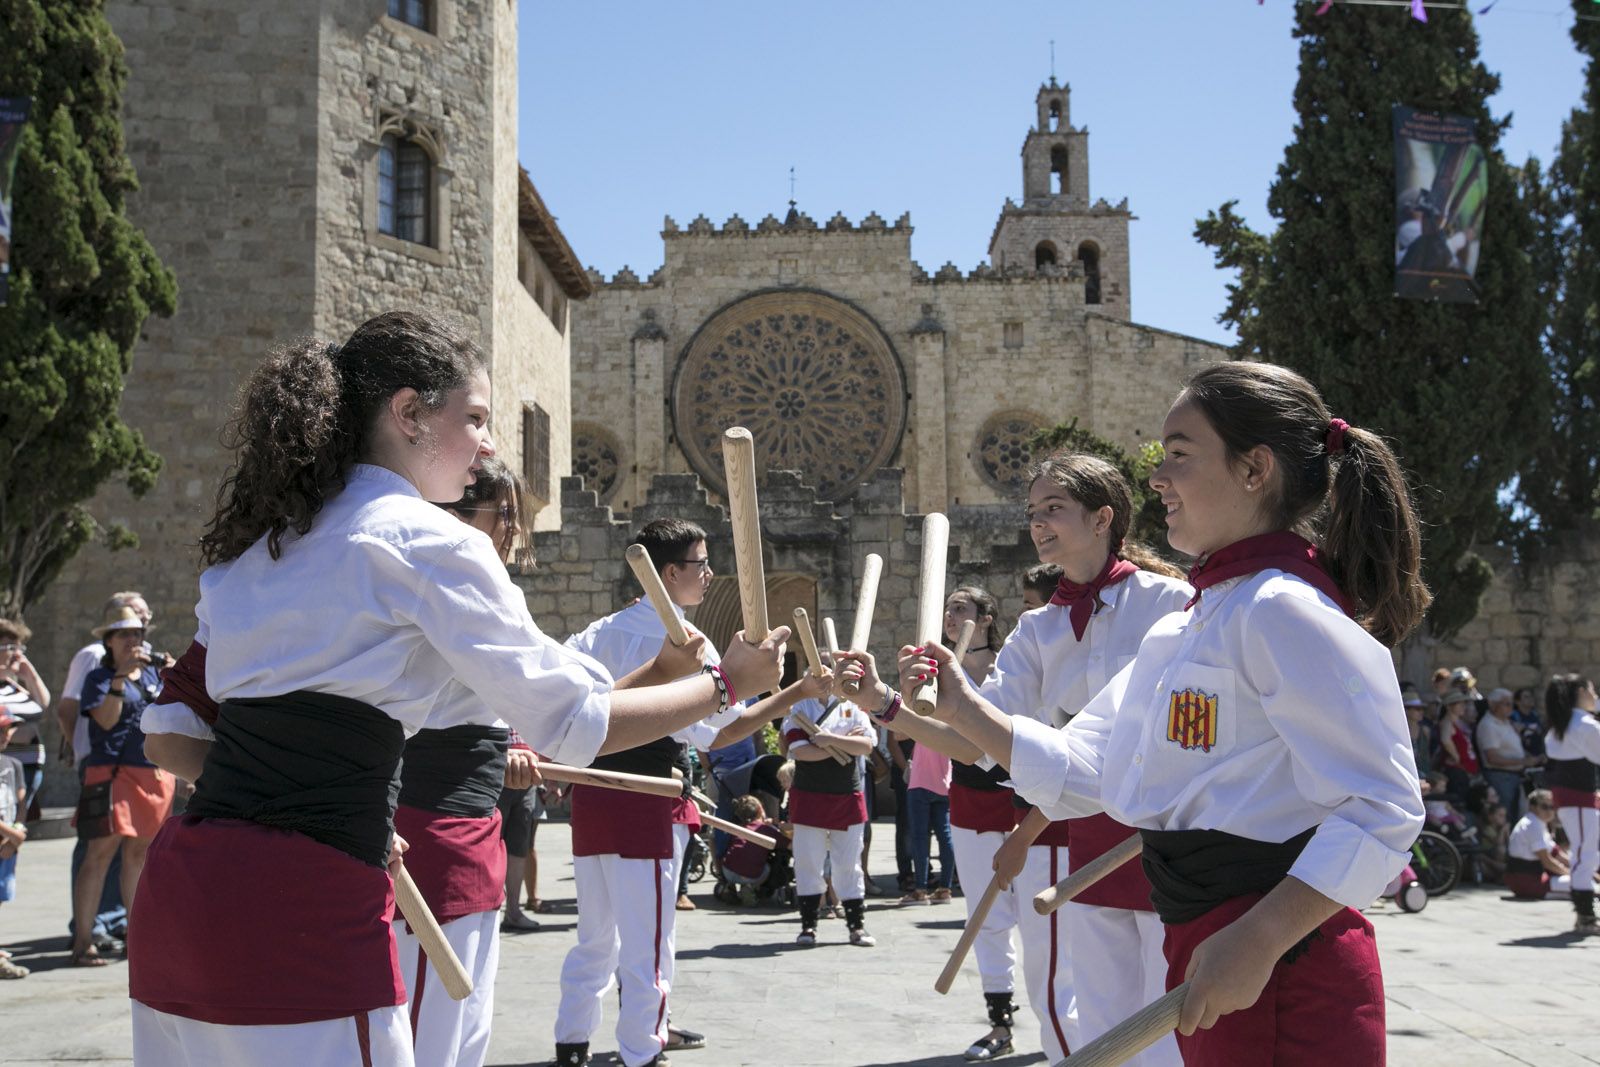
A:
(1056, 224)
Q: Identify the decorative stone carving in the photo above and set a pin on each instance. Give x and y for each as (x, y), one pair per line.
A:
(1001, 451)
(595, 456)
(814, 379)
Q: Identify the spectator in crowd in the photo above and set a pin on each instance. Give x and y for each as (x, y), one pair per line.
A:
(1039, 585)
(23, 694)
(1458, 761)
(1526, 718)
(1441, 682)
(1535, 867)
(899, 749)
(1489, 861)
(1424, 738)
(110, 919)
(1462, 679)
(12, 832)
(928, 796)
(1500, 747)
(114, 697)
(1442, 814)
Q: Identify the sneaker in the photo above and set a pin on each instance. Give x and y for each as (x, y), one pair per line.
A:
(939, 896)
(807, 938)
(916, 896)
(990, 1047)
(862, 938)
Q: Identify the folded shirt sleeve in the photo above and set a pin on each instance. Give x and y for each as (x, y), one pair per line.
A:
(1058, 771)
(174, 718)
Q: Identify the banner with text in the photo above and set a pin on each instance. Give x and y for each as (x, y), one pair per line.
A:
(1441, 178)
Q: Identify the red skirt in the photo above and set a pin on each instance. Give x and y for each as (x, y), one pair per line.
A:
(458, 862)
(1528, 886)
(1324, 1009)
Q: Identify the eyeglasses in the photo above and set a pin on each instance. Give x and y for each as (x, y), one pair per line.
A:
(699, 564)
(10, 647)
(507, 512)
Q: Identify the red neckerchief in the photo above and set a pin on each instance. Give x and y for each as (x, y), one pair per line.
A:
(1287, 552)
(1081, 600)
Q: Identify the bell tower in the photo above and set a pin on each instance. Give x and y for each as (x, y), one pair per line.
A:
(1056, 225)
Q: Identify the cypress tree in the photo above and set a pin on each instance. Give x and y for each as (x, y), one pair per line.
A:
(1461, 390)
(83, 281)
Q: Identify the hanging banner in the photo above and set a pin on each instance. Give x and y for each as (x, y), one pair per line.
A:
(1441, 178)
(13, 114)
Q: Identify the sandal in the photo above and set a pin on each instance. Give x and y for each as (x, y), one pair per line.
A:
(89, 957)
(679, 1040)
(519, 925)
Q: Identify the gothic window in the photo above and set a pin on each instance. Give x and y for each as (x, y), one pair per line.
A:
(1002, 453)
(536, 452)
(412, 13)
(1044, 255)
(405, 190)
(1058, 170)
(1089, 256)
(1055, 115)
(595, 458)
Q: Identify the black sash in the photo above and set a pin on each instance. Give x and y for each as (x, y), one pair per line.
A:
(655, 759)
(973, 777)
(321, 765)
(456, 771)
(828, 776)
(1192, 871)
(1577, 774)
(1520, 866)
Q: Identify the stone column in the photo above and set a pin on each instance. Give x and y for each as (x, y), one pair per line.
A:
(928, 411)
(649, 407)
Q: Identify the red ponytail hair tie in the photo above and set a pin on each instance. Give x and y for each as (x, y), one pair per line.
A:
(1335, 439)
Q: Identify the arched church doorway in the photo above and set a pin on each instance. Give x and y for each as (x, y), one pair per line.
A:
(720, 615)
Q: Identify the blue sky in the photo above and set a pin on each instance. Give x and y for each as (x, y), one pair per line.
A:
(633, 110)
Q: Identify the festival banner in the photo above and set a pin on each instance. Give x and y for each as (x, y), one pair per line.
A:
(13, 114)
(1441, 178)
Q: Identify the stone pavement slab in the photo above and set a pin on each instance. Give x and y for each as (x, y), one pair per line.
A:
(1474, 979)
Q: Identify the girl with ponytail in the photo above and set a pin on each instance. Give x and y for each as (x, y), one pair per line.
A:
(1572, 774)
(1258, 740)
(340, 612)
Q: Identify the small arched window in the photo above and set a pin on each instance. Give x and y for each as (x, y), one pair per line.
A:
(1055, 115)
(1044, 255)
(1058, 170)
(405, 190)
(1089, 256)
(413, 13)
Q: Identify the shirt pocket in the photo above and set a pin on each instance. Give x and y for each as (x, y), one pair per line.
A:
(1197, 713)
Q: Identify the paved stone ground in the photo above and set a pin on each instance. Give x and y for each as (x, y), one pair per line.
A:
(1474, 979)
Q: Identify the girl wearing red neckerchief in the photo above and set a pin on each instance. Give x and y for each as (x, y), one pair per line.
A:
(1258, 740)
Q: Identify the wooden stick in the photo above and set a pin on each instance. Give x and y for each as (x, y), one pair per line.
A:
(1134, 1034)
(930, 601)
(656, 593)
(964, 640)
(830, 636)
(1050, 899)
(812, 730)
(768, 843)
(633, 783)
(408, 899)
(866, 602)
(969, 935)
(739, 460)
(808, 641)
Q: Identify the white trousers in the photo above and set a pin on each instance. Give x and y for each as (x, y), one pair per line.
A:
(1118, 967)
(446, 1032)
(1046, 962)
(625, 929)
(162, 1040)
(1583, 831)
(814, 845)
(996, 957)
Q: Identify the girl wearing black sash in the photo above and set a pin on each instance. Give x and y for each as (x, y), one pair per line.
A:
(1572, 773)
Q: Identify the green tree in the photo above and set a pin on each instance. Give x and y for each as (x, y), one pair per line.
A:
(1461, 389)
(1560, 483)
(83, 281)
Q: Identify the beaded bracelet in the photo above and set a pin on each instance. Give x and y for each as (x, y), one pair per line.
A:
(724, 690)
(891, 708)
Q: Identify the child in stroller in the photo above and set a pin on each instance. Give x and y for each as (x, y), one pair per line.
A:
(749, 874)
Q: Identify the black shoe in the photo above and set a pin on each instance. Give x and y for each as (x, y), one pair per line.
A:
(573, 1055)
(990, 1047)
(680, 1040)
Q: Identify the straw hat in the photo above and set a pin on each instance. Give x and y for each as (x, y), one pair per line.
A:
(120, 618)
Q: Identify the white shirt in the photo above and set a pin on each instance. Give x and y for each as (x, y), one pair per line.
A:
(1045, 673)
(1529, 837)
(1499, 739)
(847, 720)
(1582, 740)
(1305, 729)
(627, 640)
(392, 601)
(84, 660)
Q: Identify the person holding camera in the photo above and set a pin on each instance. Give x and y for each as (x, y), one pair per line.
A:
(24, 696)
(125, 796)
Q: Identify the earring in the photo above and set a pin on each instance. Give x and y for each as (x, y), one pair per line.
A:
(413, 440)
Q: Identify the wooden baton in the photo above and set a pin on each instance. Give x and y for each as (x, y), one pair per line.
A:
(830, 636)
(964, 640)
(656, 593)
(733, 828)
(930, 601)
(1134, 1034)
(808, 641)
(866, 603)
(1050, 899)
(969, 935)
(739, 461)
(632, 783)
(408, 899)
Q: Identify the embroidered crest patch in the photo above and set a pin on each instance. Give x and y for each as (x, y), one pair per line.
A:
(1192, 719)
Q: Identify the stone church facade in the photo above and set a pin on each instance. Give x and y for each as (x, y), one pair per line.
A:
(304, 166)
